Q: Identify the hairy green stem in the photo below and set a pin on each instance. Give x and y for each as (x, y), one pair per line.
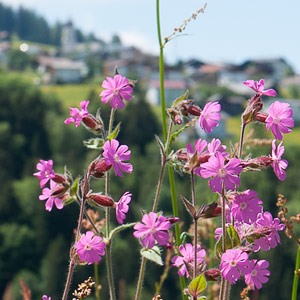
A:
(97, 289)
(69, 279)
(195, 225)
(72, 260)
(141, 279)
(296, 275)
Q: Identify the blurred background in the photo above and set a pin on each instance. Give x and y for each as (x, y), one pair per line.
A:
(53, 55)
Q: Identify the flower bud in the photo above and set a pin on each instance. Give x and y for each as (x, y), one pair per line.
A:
(58, 178)
(212, 274)
(101, 200)
(261, 117)
(255, 105)
(257, 163)
(173, 220)
(98, 167)
(92, 123)
(194, 110)
(59, 191)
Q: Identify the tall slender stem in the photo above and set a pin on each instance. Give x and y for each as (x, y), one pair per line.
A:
(296, 275)
(164, 126)
(109, 269)
(97, 289)
(69, 279)
(141, 279)
(72, 262)
(161, 72)
(225, 286)
(195, 225)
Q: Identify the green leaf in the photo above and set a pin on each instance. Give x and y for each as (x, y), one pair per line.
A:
(176, 133)
(197, 286)
(152, 254)
(232, 240)
(95, 144)
(75, 187)
(115, 132)
(181, 98)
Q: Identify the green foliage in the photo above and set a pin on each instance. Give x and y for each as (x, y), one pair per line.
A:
(153, 255)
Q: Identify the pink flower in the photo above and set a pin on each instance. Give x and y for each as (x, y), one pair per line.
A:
(265, 221)
(216, 146)
(77, 115)
(246, 206)
(51, 196)
(45, 297)
(116, 90)
(210, 116)
(186, 258)
(221, 172)
(258, 274)
(90, 248)
(258, 87)
(115, 155)
(122, 207)
(279, 165)
(153, 229)
(46, 171)
(279, 119)
(234, 263)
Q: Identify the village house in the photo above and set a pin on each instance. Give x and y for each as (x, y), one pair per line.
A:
(61, 70)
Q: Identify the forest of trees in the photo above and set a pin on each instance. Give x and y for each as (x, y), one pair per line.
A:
(28, 25)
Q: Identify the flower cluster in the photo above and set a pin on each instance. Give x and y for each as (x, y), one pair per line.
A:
(57, 191)
(279, 118)
(185, 260)
(236, 263)
(246, 227)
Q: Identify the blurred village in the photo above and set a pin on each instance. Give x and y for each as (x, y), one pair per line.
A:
(77, 58)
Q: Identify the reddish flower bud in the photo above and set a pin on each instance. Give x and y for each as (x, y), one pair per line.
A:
(61, 179)
(98, 167)
(177, 120)
(194, 110)
(173, 220)
(212, 274)
(59, 191)
(261, 117)
(257, 163)
(100, 199)
(92, 123)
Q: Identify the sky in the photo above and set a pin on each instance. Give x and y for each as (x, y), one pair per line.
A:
(230, 31)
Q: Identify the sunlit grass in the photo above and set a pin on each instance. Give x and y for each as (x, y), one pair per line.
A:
(70, 94)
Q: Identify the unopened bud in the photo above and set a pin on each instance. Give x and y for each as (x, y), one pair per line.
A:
(59, 191)
(60, 179)
(92, 123)
(257, 163)
(173, 220)
(261, 117)
(194, 110)
(98, 167)
(255, 105)
(212, 274)
(101, 200)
